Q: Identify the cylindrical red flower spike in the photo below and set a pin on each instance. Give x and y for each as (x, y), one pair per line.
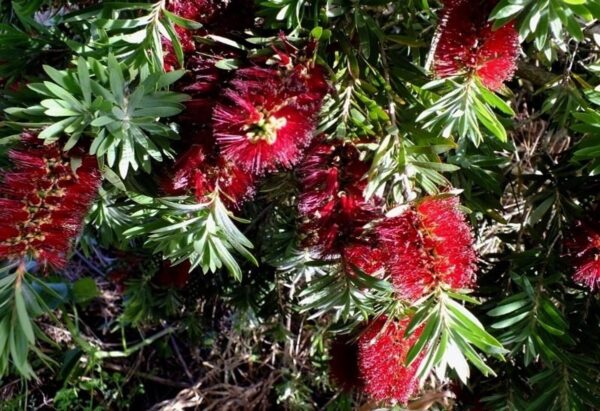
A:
(583, 246)
(331, 199)
(43, 202)
(429, 244)
(201, 173)
(467, 44)
(369, 258)
(268, 119)
(382, 360)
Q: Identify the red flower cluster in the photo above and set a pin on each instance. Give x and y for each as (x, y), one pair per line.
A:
(429, 244)
(584, 248)
(43, 202)
(369, 258)
(202, 11)
(203, 173)
(269, 117)
(382, 360)
(235, 131)
(468, 44)
(333, 205)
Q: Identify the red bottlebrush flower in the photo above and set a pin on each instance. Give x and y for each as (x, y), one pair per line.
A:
(366, 257)
(43, 202)
(196, 171)
(197, 111)
(382, 361)
(267, 120)
(331, 198)
(583, 246)
(588, 273)
(343, 364)
(468, 44)
(202, 11)
(428, 245)
(203, 76)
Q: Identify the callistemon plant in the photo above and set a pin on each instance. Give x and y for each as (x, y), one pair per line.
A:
(300, 204)
(331, 201)
(383, 350)
(430, 245)
(268, 117)
(583, 245)
(43, 200)
(469, 44)
(202, 173)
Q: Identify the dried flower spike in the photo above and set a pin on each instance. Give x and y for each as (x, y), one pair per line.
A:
(43, 202)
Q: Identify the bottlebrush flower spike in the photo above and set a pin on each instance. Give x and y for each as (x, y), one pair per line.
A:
(583, 246)
(468, 44)
(331, 198)
(202, 11)
(43, 202)
(366, 257)
(196, 171)
(343, 365)
(382, 361)
(267, 121)
(428, 245)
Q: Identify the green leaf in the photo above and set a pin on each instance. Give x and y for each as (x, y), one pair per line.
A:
(23, 315)
(84, 290)
(182, 22)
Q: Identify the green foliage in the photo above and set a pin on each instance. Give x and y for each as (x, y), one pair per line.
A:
(529, 323)
(145, 302)
(97, 392)
(588, 149)
(21, 303)
(449, 336)
(204, 233)
(351, 297)
(110, 217)
(463, 108)
(97, 101)
(545, 23)
(525, 161)
(132, 31)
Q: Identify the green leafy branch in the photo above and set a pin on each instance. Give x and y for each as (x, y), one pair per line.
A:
(450, 334)
(181, 229)
(588, 122)
(22, 299)
(353, 297)
(547, 20)
(464, 106)
(134, 32)
(120, 117)
(530, 323)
